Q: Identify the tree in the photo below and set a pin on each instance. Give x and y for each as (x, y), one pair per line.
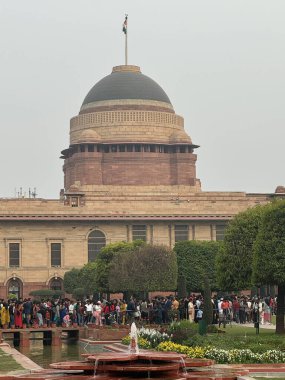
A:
(234, 259)
(105, 258)
(269, 255)
(88, 278)
(146, 268)
(71, 280)
(196, 259)
(181, 287)
(208, 306)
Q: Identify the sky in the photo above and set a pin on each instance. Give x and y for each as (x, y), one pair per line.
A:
(221, 62)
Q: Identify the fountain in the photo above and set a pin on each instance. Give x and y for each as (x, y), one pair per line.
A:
(132, 365)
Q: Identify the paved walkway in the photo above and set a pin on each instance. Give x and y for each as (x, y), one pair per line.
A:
(265, 326)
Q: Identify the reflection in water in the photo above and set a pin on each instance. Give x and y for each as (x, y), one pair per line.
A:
(45, 355)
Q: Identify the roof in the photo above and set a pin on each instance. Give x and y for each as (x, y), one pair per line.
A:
(126, 82)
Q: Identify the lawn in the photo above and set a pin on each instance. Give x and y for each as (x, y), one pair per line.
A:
(240, 337)
(8, 363)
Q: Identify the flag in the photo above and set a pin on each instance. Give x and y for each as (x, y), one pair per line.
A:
(125, 25)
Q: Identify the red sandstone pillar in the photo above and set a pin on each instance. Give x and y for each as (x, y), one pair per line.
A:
(56, 338)
(24, 338)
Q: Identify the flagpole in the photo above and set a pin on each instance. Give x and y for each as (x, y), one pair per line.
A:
(126, 48)
(125, 30)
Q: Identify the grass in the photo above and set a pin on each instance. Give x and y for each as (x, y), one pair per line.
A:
(240, 330)
(8, 363)
(240, 337)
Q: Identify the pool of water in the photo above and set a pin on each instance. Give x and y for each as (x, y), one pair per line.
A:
(45, 355)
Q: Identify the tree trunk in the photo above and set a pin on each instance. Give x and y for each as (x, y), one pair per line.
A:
(280, 310)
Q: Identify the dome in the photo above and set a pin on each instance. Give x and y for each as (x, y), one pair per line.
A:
(126, 82)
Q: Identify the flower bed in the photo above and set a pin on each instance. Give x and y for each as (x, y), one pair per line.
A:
(225, 356)
(148, 338)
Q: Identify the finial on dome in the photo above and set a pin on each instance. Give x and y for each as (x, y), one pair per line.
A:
(129, 68)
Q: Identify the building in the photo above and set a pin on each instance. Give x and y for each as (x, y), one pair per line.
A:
(129, 173)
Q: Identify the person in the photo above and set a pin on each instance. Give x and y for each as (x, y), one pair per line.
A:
(175, 309)
(137, 313)
(18, 316)
(168, 305)
(67, 320)
(199, 314)
(191, 310)
(89, 309)
(225, 315)
(236, 307)
(107, 313)
(48, 317)
(27, 311)
(11, 308)
(97, 313)
(267, 313)
(131, 308)
(157, 310)
(71, 310)
(123, 311)
(4, 315)
(242, 314)
(144, 310)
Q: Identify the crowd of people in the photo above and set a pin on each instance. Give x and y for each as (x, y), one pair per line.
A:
(65, 312)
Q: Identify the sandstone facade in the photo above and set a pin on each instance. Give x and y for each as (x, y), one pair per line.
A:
(129, 173)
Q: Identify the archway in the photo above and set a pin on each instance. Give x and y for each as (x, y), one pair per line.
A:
(96, 241)
(15, 287)
(56, 284)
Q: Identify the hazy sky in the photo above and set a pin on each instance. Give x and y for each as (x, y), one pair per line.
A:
(221, 62)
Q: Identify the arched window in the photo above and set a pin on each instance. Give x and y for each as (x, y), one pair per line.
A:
(96, 241)
(15, 286)
(56, 284)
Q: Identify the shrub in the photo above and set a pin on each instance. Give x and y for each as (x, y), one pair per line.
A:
(181, 331)
(46, 293)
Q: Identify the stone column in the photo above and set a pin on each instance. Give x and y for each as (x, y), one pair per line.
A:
(24, 338)
(56, 337)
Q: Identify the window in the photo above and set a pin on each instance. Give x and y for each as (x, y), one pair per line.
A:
(122, 148)
(106, 148)
(152, 148)
(220, 231)
(90, 148)
(113, 148)
(137, 148)
(182, 149)
(82, 148)
(181, 232)
(139, 232)
(55, 254)
(14, 254)
(129, 148)
(74, 201)
(96, 241)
